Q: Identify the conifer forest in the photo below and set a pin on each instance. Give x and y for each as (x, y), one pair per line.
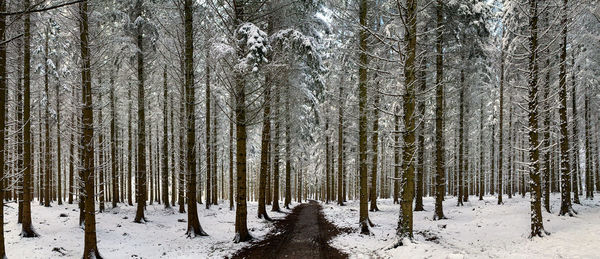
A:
(299, 129)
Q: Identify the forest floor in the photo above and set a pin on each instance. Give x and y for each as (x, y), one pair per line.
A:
(163, 236)
(479, 229)
(303, 234)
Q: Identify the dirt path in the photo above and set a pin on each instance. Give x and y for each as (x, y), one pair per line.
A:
(304, 233)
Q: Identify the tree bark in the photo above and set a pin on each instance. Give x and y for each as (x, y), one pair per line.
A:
(405, 220)
(165, 145)
(565, 166)
(26, 224)
(537, 224)
(90, 249)
(193, 228)
(362, 120)
(3, 94)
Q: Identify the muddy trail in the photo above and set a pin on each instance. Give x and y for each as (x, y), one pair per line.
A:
(304, 233)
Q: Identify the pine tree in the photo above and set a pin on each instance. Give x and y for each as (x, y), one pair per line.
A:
(537, 224)
(193, 226)
(440, 164)
(565, 166)
(26, 224)
(3, 97)
(362, 120)
(141, 174)
(405, 220)
(90, 248)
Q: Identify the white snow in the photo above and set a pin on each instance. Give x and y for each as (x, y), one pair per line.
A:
(162, 237)
(480, 229)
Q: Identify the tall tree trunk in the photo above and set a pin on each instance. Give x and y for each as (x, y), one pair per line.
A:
(288, 160)
(537, 224)
(461, 135)
(90, 249)
(130, 157)
(422, 80)
(231, 162)
(47, 174)
(58, 144)
(547, 147)
(214, 159)
(405, 220)
(182, 148)
(565, 166)
(362, 119)
(275, 152)
(501, 125)
(481, 177)
(396, 155)
(100, 167)
(327, 162)
(440, 155)
(576, 179)
(26, 226)
(141, 174)
(165, 145)
(193, 228)
(241, 227)
(174, 193)
(589, 184)
(208, 140)
(113, 142)
(3, 95)
(340, 184)
(264, 151)
(20, 134)
(72, 153)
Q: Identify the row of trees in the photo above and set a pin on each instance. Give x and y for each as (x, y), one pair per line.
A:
(329, 100)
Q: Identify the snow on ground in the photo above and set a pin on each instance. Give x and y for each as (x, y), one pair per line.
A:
(119, 237)
(480, 229)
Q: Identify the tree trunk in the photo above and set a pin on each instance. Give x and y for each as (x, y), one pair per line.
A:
(58, 145)
(422, 80)
(501, 125)
(405, 221)
(165, 145)
(174, 189)
(113, 142)
(26, 224)
(565, 166)
(100, 167)
(340, 188)
(328, 165)
(3, 94)
(461, 135)
(214, 159)
(396, 180)
(47, 174)
(141, 130)
(208, 140)
(537, 224)
(130, 159)
(288, 162)
(231, 161)
(481, 177)
(264, 151)
(193, 227)
(589, 184)
(440, 155)
(362, 120)
(90, 249)
(576, 180)
(275, 152)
